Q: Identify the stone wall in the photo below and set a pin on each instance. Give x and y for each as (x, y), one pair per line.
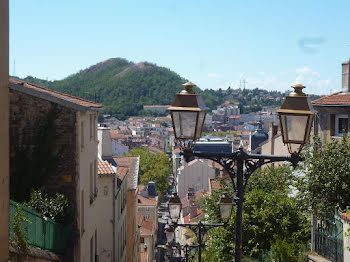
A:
(27, 115)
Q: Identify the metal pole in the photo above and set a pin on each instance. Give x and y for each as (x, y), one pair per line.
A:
(239, 212)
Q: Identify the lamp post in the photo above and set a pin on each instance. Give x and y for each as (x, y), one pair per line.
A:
(225, 205)
(188, 114)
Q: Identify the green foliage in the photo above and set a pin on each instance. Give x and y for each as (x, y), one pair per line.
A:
(55, 208)
(272, 220)
(326, 183)
(20, 229)
(121, 86)
(153, 167)
(35, 159)
(124, 88)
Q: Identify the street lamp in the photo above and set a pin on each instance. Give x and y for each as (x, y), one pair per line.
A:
(200, 229)
(296, 120)
(187, 114)
(225, 206)
(174, 206)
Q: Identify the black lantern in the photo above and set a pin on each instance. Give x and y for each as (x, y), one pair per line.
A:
(296, 119)
(225, 206)
(174, 206)
(188, 114)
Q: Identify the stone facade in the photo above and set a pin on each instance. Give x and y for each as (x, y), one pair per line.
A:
(4, 130)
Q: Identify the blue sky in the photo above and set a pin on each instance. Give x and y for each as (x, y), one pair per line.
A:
(271, 44)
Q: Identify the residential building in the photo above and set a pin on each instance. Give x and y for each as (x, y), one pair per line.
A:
(132, 230)
(147, 206)
(332, 119)
(70, 125)
(148, 240)
(195, 175)
(126, 219)
(274, 145)
(256, 138)
(4, 130)
(156, 108)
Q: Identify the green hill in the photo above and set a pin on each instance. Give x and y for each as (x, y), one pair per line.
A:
(121, 86)
(124, 87)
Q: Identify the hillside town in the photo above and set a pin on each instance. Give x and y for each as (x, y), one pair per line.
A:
(129, 162)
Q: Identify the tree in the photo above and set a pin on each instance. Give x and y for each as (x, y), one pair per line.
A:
(325, 184)
(153, 167)
(272, 220)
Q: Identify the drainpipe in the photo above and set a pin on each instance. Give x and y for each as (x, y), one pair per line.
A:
(114, 197)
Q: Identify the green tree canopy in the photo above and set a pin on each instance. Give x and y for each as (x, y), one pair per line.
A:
(271, 219)
(153, 167)
(325, 183)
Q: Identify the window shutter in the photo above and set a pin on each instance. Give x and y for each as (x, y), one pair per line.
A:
(332, 124)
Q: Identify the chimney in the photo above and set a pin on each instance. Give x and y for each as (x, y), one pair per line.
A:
(151, 189)
(345, 77)
(105, 141)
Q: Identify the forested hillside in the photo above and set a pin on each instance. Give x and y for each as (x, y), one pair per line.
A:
(121, 86)
(124, 87)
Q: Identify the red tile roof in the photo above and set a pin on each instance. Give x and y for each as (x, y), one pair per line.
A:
(104, 168)
(213, 185)
(41, 90)
(132, 162)
(116, 135)
(338, 98)
(122, 171)
(146, 201)
(148, 227)
(345, 217)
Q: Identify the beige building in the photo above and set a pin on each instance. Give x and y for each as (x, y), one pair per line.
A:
(75, 138)
(195, 174)
(147, 207)
(274, 145)
(128, 232)
(148, 240)
(4, 130)
(133, 232)
(333, 111)
(112, 185)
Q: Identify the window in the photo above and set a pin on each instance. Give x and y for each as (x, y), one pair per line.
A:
(95, 176)
(341, 124)
(82, 135)
(91, 185)
(142, 240)
(82, 212)
(95, 244)
(91, 127)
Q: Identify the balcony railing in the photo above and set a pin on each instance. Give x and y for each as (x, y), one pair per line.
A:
(42, 232)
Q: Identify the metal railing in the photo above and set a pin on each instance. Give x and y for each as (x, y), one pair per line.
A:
(42, 232)
(329, 238)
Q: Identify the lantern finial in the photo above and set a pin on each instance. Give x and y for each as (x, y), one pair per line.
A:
(298, 90)
(189, 87)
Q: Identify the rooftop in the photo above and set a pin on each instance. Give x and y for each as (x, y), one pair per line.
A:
(132, 162)
(104, 168)
(336, 99)
(148, 227)
(73, 102)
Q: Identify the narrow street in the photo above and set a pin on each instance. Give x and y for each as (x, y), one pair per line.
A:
(163, 215)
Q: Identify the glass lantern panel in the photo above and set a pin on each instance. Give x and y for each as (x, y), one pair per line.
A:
(169, 236)
(174, 211)
(225, 211)
(294, 128)
(201, 118)
(185, 124)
